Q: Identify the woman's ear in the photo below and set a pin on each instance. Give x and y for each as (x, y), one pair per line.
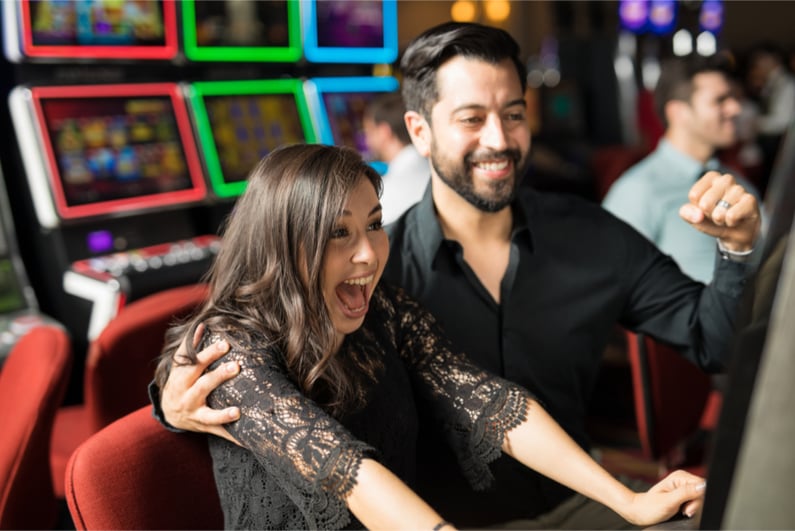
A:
(419, 131)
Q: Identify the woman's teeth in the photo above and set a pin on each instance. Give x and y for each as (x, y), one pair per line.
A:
(362, 281)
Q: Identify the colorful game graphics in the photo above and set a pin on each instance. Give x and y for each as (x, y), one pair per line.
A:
(239, 122)
(92, 29)
(109, 148)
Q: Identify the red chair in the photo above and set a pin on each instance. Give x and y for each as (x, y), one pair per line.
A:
(119, 366)
(608, 163)
(134, 474)
(674, 399)
(33, 382)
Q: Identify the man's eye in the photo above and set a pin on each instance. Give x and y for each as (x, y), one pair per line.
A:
(471, 120)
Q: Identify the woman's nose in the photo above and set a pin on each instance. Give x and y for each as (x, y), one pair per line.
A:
(364, 252)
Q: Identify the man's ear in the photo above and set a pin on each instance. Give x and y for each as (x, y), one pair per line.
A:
(674, 110)
(419, 131)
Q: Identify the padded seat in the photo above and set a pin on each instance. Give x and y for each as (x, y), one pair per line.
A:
(120, 364)
(134, 474)
(33, 382)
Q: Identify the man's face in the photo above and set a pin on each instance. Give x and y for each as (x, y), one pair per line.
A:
(712, 110)
(373, 137)
(479, 134)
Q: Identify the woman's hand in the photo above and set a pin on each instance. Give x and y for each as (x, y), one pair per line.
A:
(679, 492)
(184, 395)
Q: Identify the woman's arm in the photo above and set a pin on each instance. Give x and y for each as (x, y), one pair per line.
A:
(541, 444)
(381, 501)
(316, 461)
(484, 414)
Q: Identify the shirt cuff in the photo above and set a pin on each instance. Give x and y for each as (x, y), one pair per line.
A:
(740, 257)
(157, 410)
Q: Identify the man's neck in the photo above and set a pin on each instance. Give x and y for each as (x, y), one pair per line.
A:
(391, 150)
(689, 146)
(463, 222)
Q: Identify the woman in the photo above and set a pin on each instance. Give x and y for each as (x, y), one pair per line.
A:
(333, 368)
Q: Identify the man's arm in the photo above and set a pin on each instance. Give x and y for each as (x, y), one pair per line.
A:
(183, 400)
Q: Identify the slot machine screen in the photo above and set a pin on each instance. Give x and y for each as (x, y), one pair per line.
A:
(112, 148)
(338, 106)
(97, 29)
(242, 30)
(239, 122)
(341, 31)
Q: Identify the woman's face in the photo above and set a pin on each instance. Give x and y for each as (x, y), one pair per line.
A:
(354, 258)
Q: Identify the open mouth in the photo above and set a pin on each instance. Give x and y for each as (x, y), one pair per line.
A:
(354, 294)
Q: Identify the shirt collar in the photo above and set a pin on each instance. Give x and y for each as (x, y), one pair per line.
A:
(428, 230)
(683, 166)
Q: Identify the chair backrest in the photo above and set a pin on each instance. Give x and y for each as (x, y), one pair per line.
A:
(33, 381)
(134, 474)
(670, 394)
(121, 360)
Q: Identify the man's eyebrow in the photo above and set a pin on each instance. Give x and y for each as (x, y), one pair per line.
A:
(476, 106)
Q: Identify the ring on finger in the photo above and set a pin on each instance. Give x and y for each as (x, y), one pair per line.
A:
(723, 203)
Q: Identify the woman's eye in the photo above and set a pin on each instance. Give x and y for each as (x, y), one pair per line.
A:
(376, 225)
(339, 232)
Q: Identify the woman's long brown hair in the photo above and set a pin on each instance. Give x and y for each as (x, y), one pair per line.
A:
(265, 280)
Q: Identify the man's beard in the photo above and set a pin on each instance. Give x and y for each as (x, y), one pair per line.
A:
(460, 179)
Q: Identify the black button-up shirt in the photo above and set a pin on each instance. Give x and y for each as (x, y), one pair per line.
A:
(575, 271)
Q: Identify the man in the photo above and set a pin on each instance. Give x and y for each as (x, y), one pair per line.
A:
(386, 136)
(774, 85)
(529, 285)
(695, 101)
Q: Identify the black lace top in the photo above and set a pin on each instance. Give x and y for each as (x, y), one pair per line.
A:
(298, 463)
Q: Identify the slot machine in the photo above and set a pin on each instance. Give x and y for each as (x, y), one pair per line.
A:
(88, 31)
(239, 122)
(338, 105)
(19, 309)
(339, 31)
(112, 170)
(242, 31)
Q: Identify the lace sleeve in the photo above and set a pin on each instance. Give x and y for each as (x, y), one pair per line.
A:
(475, 408)
(303, 450)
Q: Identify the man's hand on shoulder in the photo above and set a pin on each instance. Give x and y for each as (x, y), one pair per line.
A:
(183, 398)
(722, 208)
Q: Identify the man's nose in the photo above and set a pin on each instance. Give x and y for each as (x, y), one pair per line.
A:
(493, 134)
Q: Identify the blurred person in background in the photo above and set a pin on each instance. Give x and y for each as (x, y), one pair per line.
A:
(773, 84)
(407, 172)
(695, 101)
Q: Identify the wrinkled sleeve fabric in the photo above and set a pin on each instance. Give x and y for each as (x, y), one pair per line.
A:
(474, 407)
(305, 453)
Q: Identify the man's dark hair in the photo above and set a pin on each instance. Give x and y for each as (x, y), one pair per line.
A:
(431, 49)
(676, 79)
(389, 108)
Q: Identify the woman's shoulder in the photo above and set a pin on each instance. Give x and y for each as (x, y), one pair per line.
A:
(245, 346)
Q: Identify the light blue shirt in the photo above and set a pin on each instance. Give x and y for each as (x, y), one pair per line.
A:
(648, 197)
